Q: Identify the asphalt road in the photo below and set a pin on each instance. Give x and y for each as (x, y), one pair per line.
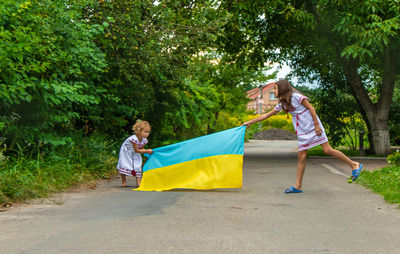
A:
(331, 216)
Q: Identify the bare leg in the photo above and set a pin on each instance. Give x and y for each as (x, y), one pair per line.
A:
(301, 167)
(123, 178)
(339, 155)
(138, 180)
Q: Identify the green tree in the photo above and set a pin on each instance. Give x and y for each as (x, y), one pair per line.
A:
(48, 66)
(163, 66)
(149, 47)
(355, 40)
(97, 66)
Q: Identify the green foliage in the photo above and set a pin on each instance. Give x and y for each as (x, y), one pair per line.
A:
(338, 113)
(24, 177)
(163, 67)
(227, 120)
(99, 66)
(48, 66)
(394, 159)
(281, 121)
(385, 181)
(3, 147)
(394, 117)
(370, 25)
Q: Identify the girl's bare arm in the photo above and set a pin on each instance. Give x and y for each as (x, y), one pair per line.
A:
(261, 117)
(142, 150)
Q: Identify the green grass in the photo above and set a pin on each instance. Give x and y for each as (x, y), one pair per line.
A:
(23, 178)
(317, 151)
(385, 181)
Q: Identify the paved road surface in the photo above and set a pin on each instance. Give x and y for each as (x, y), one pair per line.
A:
(331, 216)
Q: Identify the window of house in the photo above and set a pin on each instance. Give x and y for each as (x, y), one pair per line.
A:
(272, 96)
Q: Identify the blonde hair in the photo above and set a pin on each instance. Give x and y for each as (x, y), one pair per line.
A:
(140, 125)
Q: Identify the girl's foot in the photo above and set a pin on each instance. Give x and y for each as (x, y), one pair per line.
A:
(355, 166)
(293, 189)
(123, 179)
(356, 172)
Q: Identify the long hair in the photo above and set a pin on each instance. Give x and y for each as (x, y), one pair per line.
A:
(285, 91)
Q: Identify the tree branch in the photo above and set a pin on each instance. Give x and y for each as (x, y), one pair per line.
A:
(354, 80)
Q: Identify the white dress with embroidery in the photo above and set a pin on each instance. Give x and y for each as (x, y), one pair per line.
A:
(304, 124)
(130, 161)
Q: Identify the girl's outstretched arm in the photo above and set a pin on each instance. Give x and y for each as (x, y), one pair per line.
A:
(137, 150)
(260, 118)
(308, 106)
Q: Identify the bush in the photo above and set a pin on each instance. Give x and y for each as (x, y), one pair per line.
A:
(394, 159)
(25, 177)
(254, 128)
(226, 121)
(280, 121)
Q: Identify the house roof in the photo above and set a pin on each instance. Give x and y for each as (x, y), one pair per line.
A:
(255, 92)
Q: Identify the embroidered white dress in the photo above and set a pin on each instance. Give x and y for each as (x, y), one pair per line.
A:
(303, 123)
(130, 163)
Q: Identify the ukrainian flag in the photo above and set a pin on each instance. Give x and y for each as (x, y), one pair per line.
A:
(207, 162)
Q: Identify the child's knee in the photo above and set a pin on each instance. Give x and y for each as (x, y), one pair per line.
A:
(327, 150)
(301, 155)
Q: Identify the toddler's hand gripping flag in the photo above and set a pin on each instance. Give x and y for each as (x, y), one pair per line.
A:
(207, 162)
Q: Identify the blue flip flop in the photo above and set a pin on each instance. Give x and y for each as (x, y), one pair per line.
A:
(356, 172)
(292, 189)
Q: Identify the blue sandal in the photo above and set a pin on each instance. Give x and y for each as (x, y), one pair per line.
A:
(356, 172)
(292, 189)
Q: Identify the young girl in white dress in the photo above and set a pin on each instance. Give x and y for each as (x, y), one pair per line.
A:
(309, 130)
(130, 160)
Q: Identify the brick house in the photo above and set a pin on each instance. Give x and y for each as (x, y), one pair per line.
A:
(268, 99)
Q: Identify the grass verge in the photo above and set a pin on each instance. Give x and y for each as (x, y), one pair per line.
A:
(385, 181)
(23, 178)
(318, 151)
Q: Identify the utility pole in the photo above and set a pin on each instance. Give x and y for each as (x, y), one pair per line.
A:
(260, 96)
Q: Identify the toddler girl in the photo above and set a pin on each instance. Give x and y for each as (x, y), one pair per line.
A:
(130, 160)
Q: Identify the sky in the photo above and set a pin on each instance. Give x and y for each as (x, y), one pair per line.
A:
(283, 71)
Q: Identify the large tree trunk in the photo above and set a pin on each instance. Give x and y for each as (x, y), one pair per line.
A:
(381, 132)
(380, 135)
(377, 113)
